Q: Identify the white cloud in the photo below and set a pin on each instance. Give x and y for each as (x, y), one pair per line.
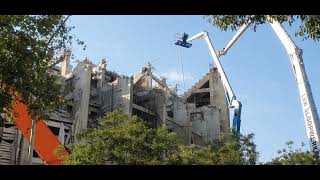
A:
(177, 76)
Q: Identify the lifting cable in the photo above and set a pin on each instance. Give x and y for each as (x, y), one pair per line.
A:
(189, 127)
(181, 64)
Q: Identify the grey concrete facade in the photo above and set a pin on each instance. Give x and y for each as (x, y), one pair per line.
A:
(199, 116)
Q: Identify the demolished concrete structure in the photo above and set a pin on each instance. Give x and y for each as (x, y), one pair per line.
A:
(199, 116)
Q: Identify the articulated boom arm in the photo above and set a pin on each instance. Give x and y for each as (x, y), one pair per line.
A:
(232, 101)
(235, 37)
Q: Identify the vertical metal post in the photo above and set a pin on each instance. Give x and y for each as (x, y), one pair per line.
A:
(31, 145)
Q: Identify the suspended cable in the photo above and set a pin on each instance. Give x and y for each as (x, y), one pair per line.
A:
(182, 72)
(189, 126)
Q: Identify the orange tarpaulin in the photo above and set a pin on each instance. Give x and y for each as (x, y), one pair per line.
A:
(45, 142)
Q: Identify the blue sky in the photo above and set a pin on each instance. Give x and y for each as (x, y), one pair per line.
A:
(257, 66)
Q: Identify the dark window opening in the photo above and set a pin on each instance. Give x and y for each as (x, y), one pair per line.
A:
(170, 114)
(199, 99)
(69, 108)
(35, 154)
(54, 130)
(69, 86)
(111, 76)
(65, 138)
(205, 85)
(68, 149)
(93, 120)
(144, 98)
(8, 141)
(221, 128)
(94, 83)
(197, 116)
(7, 125)
(149, 119)
(93, 114)
(203, 101)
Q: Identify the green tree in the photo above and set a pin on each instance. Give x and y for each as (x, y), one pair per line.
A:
(195, 155)
(288, 156)
(30, 45)
(236, 149)
(309, 24)
(121, 139)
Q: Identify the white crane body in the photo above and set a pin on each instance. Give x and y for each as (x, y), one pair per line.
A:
(311, 117)
(308, 106)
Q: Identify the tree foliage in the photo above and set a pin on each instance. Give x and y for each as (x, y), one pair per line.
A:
(236, 150)
(309, 24)
(29, 46)
(288, 156)
(122, 139)
(240, 150)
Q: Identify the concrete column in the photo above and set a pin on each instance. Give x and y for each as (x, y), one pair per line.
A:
(217, 93)
(24, 151)
(65, 65)
(61, 133)
(82, 88)
(131, 95)
(212, 125)
(123, 93)
(211, 88)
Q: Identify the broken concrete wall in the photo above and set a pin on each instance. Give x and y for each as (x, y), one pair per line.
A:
(206, 123)
(181, 117)
(82, 75)
(160, 106)
(218, 100)
(208, 107)
(198, 117)
(145, 96)
(8, 144)
(106, 98)
(123, 89)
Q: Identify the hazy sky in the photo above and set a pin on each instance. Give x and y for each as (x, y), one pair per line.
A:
(257, 66)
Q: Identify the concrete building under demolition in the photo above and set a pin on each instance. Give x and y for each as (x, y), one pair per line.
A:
(199, 116)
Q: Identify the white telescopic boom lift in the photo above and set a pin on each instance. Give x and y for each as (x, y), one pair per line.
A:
(308, 106)
(295, 56)
(232, 101)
